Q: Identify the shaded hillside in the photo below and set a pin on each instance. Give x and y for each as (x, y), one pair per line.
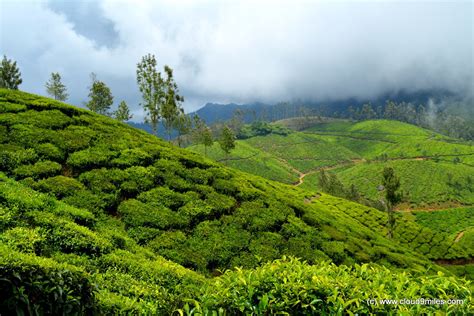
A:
(98, 217)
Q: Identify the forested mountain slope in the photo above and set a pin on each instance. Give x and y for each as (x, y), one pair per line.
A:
(96, 216)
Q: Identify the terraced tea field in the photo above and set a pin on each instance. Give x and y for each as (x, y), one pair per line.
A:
(435, 170)
(436, 173)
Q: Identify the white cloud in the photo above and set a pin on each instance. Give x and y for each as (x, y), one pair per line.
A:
(245, 51)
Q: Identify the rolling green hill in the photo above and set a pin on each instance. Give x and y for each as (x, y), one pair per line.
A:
(252, 160)
(434, 169)
(436, 172)
(98, 217)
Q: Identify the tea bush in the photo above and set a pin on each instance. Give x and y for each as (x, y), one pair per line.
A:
(41, 169)
(289, 286)
(41, 286)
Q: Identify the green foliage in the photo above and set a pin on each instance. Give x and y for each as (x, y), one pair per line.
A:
(423, 182)
(289, 286)
(171, 109)
(76, 137)
(227, 140)
(202, 134)
(132, 157)
(391, 185)
(60, 186)
(23, 239)
(91, 157)
(121, 204)
(138, 179)
(10, 76)
(303, 151)
(152, 86)
(261, 128)
(56, 88)
(6, 107)
(183, 125)
(123, 112)
(48, 151)
(48, 119)
(41, 286)
(100, 96)
(40, 169)
(457, 223)
(450, 221)
(358, 152)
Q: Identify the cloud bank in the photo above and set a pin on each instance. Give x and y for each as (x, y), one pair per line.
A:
(244, 51)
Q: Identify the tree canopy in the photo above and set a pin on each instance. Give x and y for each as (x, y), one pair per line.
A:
(123, 112)
(227, 140)
(56, 88)
(100, 97)
(152, 87)
(10, 75)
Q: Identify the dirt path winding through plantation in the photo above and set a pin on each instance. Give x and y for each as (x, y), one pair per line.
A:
(459, 236)
(317, 169)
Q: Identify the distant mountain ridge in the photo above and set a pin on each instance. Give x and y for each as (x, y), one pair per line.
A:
(214, 112)
(218, 112)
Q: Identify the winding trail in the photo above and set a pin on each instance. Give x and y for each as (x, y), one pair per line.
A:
(459, 236)
(302, 175)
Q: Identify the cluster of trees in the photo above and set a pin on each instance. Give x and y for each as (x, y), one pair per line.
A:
(329, 183)
(160, 97)
(100, 95)
(204, 135)
(101, 100)
(161, 102)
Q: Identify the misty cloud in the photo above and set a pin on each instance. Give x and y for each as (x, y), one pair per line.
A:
(245, 51)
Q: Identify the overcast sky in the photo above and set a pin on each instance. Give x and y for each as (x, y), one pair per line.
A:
(243, 51)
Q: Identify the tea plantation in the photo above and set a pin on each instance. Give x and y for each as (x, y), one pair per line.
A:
(97, 217)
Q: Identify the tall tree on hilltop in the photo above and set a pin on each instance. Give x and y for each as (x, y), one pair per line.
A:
(391, 185)
(56, 88)
(10, 75)
(182, 124)
(100, 96)
(207, 139)
(202, 134)
(123, 112)
(171, 108)
(152, 87)
(227, 141)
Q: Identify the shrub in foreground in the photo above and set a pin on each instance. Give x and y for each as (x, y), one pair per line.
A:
(31, 285)
(294, 287)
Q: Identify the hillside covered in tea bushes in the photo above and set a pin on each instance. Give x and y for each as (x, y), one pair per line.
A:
(436, 175)
(99, 217)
